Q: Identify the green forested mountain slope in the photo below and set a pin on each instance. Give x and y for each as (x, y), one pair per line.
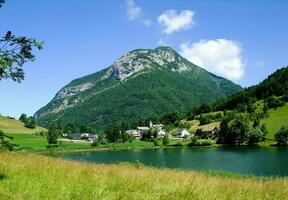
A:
(143, 83)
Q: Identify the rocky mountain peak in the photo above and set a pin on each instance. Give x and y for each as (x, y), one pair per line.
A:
(140, 59)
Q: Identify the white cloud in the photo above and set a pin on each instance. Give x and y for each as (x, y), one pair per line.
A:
(220, 56)
(147, 22)
(174, 21)
(133, 11)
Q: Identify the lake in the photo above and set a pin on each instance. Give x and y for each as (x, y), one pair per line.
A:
(243, 160)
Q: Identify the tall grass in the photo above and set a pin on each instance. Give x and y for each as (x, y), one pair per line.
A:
(30, 176)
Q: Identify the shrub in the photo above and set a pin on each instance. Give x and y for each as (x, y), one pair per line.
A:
(156, 143)
(165, 140)
(194, 141)
(282, 136)
(95, 144)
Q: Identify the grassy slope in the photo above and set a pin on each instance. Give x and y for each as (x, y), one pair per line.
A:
(276, 119)
(28, 176)
(14, 126)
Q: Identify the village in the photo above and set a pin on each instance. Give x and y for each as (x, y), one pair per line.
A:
(139, 132)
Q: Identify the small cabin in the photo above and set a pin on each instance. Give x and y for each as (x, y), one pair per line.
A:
(210, 130)
(161, 133)
(182, 132)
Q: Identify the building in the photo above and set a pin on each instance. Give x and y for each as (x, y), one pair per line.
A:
(142, 129)
(158, 126)
(92, 137)
(134, 133)
(161, 133)
(209, 131)
(74, 136)
(182, 132)
(84, 136)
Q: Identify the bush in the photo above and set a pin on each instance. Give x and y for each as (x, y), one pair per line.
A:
(282, 136)
(95, 144)
(156, 143)
(194, 141)
(165, 140)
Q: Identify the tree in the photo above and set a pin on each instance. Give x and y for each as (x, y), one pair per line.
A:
(69, 128)
(53, 132)
(165, 140)
(147, 135)
(256, 122)
(124, 136)
(224, 131)
(84, 128)
(113, 134)
(23, 118)
(265, 109)
(255, 136)
(204, 119)
(274, 102)
(30, 122)
(170, 118)
(5, 144)
(14, 53)
(234, 132)
(282, 136)
(237, 133)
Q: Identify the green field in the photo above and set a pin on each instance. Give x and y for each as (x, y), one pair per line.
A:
(277, 118)
(14, 126)
(39, 143)
(30, 176)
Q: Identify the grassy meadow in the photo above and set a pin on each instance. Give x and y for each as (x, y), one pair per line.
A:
(12, 126)
(30, 176)
(277, 118)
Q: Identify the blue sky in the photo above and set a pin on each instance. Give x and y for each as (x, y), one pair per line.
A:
(241, 40)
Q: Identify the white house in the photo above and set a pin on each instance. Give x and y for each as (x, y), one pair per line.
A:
(142, 129)
(161, 133)
(135, 133)
(182, 132)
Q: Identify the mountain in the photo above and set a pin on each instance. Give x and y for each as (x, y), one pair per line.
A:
(143, 83)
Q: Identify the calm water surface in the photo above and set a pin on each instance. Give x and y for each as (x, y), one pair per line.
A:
(256, 161)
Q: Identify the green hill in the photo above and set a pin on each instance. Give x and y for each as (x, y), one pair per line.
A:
(277, 118)
(143, 83)
(12, 126)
